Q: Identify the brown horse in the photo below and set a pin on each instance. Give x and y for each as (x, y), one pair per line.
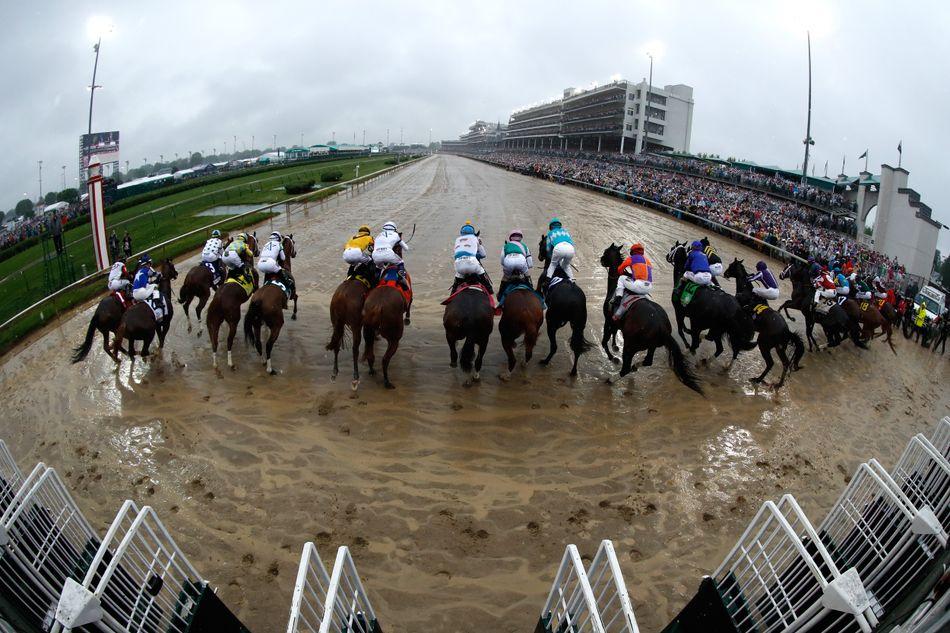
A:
(869, 317)
(346, 311)
(522, 314)
(138, 323)
(106, 319)
(469, 317)
(290, 247)
(266, 308)
(383, 312)
(226, 306)
(198, 284)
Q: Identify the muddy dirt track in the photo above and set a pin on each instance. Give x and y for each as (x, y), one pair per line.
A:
(457, 502)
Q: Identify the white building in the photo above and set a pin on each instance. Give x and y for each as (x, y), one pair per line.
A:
(618, 117)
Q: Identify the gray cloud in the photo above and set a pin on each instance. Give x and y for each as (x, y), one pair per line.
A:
(190, 76)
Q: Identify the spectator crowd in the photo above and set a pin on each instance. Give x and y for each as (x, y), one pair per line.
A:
(785, 224)
(17, 231)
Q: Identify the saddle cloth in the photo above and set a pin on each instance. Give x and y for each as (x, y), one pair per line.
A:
(278, 283)
(464, 287)
(244, 282)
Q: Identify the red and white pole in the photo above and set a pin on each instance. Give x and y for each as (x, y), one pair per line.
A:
(97, 214)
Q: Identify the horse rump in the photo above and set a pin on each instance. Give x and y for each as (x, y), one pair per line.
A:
(252, 321)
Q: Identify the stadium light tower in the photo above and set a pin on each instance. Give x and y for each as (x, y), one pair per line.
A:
(96, 27)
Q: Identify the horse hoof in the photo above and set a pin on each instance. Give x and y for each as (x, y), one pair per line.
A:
(476, 376)
(615, 360)
(389, 385)
(355, 385)
(406, 321)
(543, 362)
(453, 364)
(372, 372)
(293, 317)
(273, 372)
(616, 347)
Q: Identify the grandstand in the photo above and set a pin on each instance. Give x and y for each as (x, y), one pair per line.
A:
(481, 136)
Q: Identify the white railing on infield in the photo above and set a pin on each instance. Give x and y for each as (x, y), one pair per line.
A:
(330, 603)
(139, 581)
(876, 529)
(779, 577)
(11, 477)
(45, 540)
(571, 606)
(940, 437)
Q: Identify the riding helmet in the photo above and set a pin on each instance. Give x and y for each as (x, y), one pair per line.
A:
(389, 226)
(467, 229)
(363, 229)
(636, 248)
(555, 224)
(515, 236)
(216, 233)
(761, 265)
(276, 236)
(145, 259)
(697, 245)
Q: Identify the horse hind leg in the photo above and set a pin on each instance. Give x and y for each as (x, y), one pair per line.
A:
(213, 330)
(232, 332)
(482, 346)
(530, 340)
(605, 340)
(786, 365)
(198, 308)
(552, 338)
(453, 352)
(628, 354)
(390, 352)
(356, 357)
(769, 363)
(274, 333)
(369, 354)
(648, 361)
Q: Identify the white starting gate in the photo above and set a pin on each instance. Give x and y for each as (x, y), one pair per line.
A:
(139, 580)
(876, 529)
(45, 540)
(779, 577)
(923, 474)
(594, 600)
(940, 437)
(330, 603)
(10, 477)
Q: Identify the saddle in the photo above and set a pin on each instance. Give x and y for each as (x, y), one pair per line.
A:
(393, 277)
(517, 284)
(274, 280)
(626, 302)
(759, 309)
(124, 302)
(465, 286)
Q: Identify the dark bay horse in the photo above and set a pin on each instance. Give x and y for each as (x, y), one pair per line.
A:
(566, 303)
(383, 312)
(106, 319)
(290, 248)
(802, 299)
(138, 323)
(346, 311)
(198, 283)
(266, 308)
(226, 306)
(522, 314)
(645, 327)
(772, 329)
(470, 317)
(710, 309)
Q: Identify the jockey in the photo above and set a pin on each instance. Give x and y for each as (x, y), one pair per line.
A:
(880, 290)
(768, 291)
(863, 289)
(384, 251)
(469, 251)
(118, 282)
(359, 250)
(145, 286)
(824, 285)
(715, 262)
(842, 285)
(211, 254)
(636, 277)
(235, 253)
(515, 260)
(560, 249)
(697, 266)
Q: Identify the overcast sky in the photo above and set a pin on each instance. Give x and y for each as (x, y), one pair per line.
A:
(180, 76)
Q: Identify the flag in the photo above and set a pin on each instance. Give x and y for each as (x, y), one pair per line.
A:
(899, 143)
(864, 155)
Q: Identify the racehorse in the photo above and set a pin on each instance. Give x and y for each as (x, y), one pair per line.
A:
(226, 306)
(868, 316)
(566, 303)
(710, 309)
(346, 311)
(266, 308)
(522, 314)
(802, 299)
(138, 323)
(645, 327)
(469, 316)
(106, 319)
(290, 247)
(198, 282)
(383, 312)
(771, 327)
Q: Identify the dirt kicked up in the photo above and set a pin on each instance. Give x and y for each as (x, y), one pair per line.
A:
(457, 502)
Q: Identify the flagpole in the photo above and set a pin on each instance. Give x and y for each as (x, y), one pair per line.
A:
(900, 153)
(842, 165)
(865, 160)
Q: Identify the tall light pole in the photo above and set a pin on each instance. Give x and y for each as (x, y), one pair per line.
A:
(64, 177)
(646, 125)
(40, 163)
(234, 147)
(97, 27)
(808, 140)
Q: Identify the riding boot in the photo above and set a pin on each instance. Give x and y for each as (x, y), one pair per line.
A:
(349, 271)
(455, 285)
(486, 282)
(501, 288)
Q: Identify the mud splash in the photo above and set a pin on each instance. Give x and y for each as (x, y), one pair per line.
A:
(457, 502)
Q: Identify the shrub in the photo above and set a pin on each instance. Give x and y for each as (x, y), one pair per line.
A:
(331, 176)
(391, 161)
(299, 188)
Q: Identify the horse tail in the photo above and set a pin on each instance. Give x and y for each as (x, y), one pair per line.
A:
(678, 363)
(579, 342)
(338, 338)
(252, 319)
(467, 356)
(184, 296)
(889, 330)
(795, 339)
(80, 352)
(741, 333)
